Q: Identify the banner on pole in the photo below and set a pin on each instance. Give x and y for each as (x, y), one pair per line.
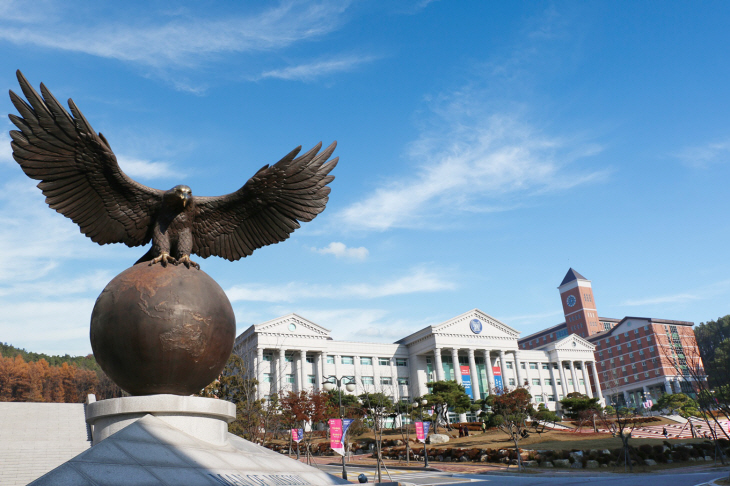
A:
(498, 384)
(422, 430)
(466, 380)
(338, 429)
(297, 434)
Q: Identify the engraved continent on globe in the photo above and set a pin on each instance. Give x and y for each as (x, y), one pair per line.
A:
(162, 330)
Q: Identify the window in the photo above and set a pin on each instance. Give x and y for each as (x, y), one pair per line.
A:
(383, 361)
(289, 358)
(621, 358)
(618, 348)
(536, 381)
(611, 360)
(636, 331)
(548, 381)
(310, 379)
(290, 378)
(310, 358)
(538, 399)
(641, 352)
(646, 374)
(386, 380)
(402, 380)
(267, 377)
(511, 382)
(570, 381)
(545, 366)
(347, 360)
(581, 382)
(330, 359)
(508, 365)
(366, 361)
(551, 398)
(267, 356)
(628, 345)
(631, 355)
(367, 380)
(558, 382)
(401, 362)
(522, 366)
(600, 354)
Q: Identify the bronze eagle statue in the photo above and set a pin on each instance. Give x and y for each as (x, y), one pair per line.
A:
(81, 179)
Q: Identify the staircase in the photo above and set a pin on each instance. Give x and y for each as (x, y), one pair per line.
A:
(37, 437)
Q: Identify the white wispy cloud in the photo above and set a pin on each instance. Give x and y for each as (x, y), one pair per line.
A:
(340, 250)
(160, 41)
(665, 299)
(701, 156)
(135, 167)
(470, 163)
(314, 70)
(418, 280)
(6, 153)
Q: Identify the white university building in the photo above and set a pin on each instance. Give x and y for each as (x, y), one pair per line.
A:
(291, 353)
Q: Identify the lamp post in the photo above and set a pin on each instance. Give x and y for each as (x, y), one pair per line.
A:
(331, 383)
(423, 404)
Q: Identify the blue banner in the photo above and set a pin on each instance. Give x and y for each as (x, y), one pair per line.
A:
(426, 426)
(345, 424)
(498, 384)
(466, 381)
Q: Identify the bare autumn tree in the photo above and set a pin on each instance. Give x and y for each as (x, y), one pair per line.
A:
(685, 358)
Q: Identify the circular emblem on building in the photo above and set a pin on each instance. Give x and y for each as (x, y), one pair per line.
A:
(570, 301)
(292, 327)
(476, 326)
(575, 344)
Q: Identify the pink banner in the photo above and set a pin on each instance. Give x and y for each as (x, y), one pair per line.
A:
(336, 436)
(419, 431)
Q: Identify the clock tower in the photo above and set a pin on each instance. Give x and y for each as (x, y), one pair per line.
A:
(579, 306)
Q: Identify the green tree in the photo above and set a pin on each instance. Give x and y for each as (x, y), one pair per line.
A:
(575, 403)
(512, 410)
(449, 395)
(678, 403)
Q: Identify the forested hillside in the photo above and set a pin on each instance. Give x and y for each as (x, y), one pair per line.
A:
(34, 377)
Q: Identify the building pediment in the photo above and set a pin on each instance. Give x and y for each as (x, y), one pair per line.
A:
(292, 325)
(572, 342)
(476, 322)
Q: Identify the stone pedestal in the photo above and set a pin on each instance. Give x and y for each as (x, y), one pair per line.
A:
(205, 419)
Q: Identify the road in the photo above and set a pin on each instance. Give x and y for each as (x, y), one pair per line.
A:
(434, 478)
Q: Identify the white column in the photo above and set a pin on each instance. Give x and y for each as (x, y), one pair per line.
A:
(439, 365)
(554, 382)
(596, 381)
(319, 372)
(260, 372)
(518, 368)
(394, 380)
(455, 364)
(563, 381)
(280, 369)
(490, 371)
(576, 388)
(356, 361)
(338, 360)
(668, 386)
(376, 372)
(302, 373)
(589, 392)
(474, 375)
(527, 383)
(626, 398)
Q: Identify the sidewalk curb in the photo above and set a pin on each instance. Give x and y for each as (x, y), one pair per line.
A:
(407, 468)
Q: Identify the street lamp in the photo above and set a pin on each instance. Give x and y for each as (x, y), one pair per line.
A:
(331, 383)
(423, 404)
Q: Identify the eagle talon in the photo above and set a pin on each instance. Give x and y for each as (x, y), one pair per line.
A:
(163, 259)
(185, 260)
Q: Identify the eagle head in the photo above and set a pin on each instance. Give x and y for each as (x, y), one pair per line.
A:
(178, 196)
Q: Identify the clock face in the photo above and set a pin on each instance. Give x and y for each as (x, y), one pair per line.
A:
(570, 301)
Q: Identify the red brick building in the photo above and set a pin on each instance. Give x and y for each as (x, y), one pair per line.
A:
(637, 357)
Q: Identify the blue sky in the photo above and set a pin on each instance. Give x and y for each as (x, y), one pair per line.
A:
(485, 148)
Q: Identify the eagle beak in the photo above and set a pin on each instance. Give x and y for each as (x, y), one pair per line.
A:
(186, 198)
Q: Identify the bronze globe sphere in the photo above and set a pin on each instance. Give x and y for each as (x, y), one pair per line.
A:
(158, 329)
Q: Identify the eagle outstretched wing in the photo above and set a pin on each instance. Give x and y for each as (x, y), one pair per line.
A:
(266, 210)
(78, 171)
